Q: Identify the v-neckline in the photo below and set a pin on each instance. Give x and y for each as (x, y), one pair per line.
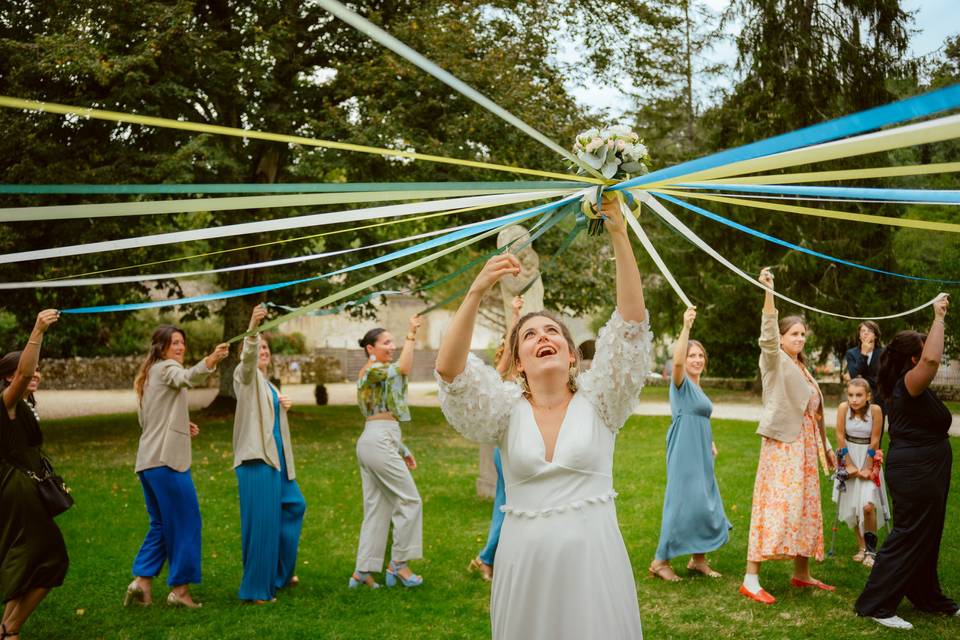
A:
(560, 430)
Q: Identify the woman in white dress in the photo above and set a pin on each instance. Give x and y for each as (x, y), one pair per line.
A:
(562, 567)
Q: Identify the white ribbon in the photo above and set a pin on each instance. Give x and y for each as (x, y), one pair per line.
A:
(191, 205)
(86, 282)
(319, 219)
(672, 220)
(657, 260)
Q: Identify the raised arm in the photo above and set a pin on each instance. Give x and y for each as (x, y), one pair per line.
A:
(452, 357)
(919, 378)
(769, 333)
(405, 363)
(680, 349)
(29, 358)
(506, 356)
(249, 355)
(629, 286)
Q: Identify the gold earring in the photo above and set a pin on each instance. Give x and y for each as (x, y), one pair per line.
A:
(522, 381)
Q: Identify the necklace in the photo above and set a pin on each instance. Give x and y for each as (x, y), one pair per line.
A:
(558, 406)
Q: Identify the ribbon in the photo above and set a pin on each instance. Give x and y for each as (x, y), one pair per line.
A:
(250, 134)
(379, 35)
(914, 196)
(821, 213)
(652, 252)
(380, 278)
(869, 120)
(916, 134)
(192, 205)
(349, 215)
(278, 187)
(672, 220)
(846, 174)
(423, 246)
(790, 245)
(86, 282)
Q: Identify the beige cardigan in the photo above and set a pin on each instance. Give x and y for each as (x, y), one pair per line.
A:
(253, 423)
(786, 391)
(165, 416)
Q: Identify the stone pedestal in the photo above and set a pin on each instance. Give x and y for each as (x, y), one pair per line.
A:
(487, 479)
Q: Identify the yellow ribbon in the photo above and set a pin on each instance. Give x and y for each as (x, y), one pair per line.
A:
(166, 123)
(822, 213)
(912, 135)
(848, 174)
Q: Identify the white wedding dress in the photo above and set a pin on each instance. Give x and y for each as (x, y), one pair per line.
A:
(561, 569)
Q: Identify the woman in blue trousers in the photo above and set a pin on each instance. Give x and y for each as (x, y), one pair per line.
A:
(271, 504)
(163, 465)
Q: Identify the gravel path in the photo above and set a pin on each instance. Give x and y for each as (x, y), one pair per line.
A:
(69, 404)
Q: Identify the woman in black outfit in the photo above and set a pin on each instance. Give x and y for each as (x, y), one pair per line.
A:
(918, 465)
(33, 556)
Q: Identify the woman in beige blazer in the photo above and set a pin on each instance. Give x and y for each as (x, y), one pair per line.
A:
(163, 465)
(271, 504)
(786, 521)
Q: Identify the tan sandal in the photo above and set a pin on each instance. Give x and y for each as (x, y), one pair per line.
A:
(485, 570)
(665, 572)
(704, 568)
(859, 555)
(869, 559)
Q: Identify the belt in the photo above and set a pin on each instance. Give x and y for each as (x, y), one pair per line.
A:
(856, 440)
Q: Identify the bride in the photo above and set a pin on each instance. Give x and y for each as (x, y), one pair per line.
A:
(562, 567)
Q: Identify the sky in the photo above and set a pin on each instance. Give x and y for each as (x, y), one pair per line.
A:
(934, 21)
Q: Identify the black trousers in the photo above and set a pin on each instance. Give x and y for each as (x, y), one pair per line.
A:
(918, 479)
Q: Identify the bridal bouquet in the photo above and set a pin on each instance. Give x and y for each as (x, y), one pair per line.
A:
(618, 154)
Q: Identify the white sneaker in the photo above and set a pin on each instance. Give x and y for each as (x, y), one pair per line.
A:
(894, 622)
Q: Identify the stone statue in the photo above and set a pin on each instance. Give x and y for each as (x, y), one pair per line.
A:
(510, 287)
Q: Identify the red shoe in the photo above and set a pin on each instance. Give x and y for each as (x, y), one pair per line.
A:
(814, 583)
(760, 596)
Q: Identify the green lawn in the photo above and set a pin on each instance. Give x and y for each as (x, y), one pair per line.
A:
(105, 529)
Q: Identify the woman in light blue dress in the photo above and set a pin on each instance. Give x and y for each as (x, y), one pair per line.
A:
(693, 522)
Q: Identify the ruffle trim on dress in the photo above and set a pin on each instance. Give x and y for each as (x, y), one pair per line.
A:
(576, 505)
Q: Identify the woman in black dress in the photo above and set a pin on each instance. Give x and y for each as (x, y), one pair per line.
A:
(33, 556)
(918, 465)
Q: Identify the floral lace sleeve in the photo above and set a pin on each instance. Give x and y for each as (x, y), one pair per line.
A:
(620, 366)
(478, 402)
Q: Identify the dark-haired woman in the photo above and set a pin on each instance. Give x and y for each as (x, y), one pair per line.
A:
(918, 463)
(863, 360)
(33, 556)
(163, 465)
(389, 492)
(786, 519)
(271, 504)
(562, 569)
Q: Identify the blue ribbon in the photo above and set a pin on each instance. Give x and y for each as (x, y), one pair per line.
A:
(423, 246)
(932, 196)
(790, 245)
(853, 124)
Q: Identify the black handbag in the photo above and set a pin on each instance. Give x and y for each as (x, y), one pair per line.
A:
(54, 492)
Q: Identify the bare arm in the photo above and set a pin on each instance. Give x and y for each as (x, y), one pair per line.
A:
(766, 278)
(506, 357)
(680, 348)
(452, 357)
(877, 417)
(29, 359)
(919, 378)
(629, 285)
(405, 363)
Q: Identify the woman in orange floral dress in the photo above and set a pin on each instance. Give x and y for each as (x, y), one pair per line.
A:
(786, 521)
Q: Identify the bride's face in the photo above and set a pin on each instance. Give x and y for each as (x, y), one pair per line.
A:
(542, 349)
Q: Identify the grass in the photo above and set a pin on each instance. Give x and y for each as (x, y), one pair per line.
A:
(104, 530)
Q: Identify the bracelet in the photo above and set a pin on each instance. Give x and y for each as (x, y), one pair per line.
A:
(410, 336)
(872, 452)
(36, 342)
